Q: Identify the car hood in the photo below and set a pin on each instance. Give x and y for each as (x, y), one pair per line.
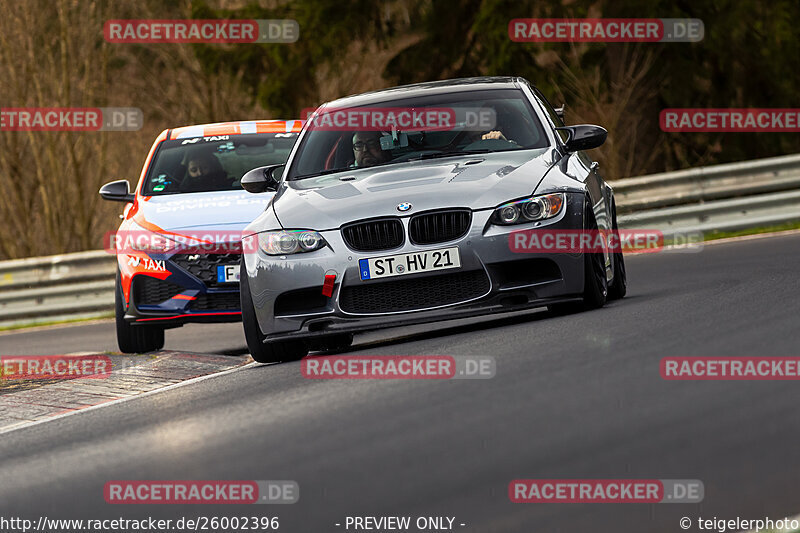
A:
(482, 181)
(225, 209)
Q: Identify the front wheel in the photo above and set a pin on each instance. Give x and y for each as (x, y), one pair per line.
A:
(271, 352)
(130, 338)
(619, 285)
(595, 283)
(595, 291)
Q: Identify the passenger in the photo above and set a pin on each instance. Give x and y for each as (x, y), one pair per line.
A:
(496, 134)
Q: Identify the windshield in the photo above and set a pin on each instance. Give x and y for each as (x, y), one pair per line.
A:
(202, 164)
(417, 128)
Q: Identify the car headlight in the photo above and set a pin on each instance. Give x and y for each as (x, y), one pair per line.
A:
(287, 242)
(138, 239)
(529, 210)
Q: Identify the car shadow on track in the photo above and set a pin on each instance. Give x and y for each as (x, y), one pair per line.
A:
(443, 329)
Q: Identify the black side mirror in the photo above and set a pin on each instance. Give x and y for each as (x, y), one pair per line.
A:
(117, 191)
(262, 179)
(584, 137)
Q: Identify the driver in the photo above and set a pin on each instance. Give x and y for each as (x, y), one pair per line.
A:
(204, 172)
(367, 149)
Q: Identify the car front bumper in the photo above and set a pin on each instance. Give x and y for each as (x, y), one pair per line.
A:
(287, 290)
(170, 291)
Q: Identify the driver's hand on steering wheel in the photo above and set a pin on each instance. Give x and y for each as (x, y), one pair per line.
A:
(494, 135)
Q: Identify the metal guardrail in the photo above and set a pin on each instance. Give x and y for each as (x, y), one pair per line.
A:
(705, 184)
(729, 197)
(58, 287)
(726, 197)
(735, 214)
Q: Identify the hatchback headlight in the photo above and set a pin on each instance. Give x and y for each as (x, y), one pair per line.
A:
(138, 239)
(529, 210)
(285, 242)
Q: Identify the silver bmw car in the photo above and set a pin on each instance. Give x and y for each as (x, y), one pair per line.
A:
(417, 204)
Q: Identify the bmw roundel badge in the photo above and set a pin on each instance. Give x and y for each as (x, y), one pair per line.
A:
(405, 206)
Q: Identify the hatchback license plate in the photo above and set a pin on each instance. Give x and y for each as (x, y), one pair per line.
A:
(227, 273)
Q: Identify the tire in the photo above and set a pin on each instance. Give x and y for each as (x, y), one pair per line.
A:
(619, 285)
(595, 291)
(130, 338)
(595, 284)
(271, 352)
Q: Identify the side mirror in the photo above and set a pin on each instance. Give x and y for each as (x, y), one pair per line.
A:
(584, 137)
(262, 179)
(117, 191)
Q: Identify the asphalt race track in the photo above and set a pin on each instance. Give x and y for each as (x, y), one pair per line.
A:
(574, 397)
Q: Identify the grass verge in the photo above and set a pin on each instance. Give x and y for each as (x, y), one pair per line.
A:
(714, 235)
(42, 323)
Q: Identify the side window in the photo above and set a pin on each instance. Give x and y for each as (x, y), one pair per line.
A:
(555, 120)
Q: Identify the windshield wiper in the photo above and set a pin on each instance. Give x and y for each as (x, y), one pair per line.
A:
(423, 156)
(320, 173)
(448, 154)
(334, 170)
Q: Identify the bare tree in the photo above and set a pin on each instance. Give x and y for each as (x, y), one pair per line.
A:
(53, 54)
(619, 95)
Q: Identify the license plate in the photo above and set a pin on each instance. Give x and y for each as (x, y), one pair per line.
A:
(227, 273)
(400, 265)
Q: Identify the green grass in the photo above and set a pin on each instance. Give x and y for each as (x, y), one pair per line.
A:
(34, 324)
(714, 235)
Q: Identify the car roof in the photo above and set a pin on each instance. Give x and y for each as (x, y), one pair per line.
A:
(236, 128)
(429, 88)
